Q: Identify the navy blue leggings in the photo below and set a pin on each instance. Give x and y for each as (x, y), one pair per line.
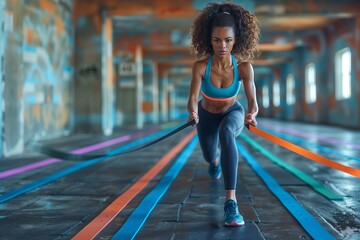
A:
(225, 127)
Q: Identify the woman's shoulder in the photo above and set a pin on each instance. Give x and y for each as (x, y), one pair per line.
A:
(200, 65)
(245, 68)
(241, 63)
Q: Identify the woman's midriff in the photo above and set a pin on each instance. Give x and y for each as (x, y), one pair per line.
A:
(217, 106)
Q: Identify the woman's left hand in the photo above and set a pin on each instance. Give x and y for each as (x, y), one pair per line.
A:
(250, 119)
(194, 116)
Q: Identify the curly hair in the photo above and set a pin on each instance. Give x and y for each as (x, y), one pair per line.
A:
(244, 23)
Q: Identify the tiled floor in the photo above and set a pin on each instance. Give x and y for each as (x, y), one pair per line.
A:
(192, 208)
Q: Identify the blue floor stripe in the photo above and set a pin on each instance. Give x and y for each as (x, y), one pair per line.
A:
(50, 178)
(312, 145)
(137, 219)
(309, 223)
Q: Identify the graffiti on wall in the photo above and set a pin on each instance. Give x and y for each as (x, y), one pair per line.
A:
(47, 49)
(91, 71)
(2, 73)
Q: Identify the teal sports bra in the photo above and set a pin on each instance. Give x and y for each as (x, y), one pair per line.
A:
(211, 92)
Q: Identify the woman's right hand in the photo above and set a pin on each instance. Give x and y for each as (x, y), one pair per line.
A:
(194, 116)
(251, 119)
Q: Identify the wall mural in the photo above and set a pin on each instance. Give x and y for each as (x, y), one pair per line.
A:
(47, 56)
(2, 72)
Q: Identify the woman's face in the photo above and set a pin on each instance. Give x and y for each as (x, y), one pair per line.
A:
(222, 40)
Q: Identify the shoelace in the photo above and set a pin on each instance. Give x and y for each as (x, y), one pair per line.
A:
(231, 208)
(214, 169)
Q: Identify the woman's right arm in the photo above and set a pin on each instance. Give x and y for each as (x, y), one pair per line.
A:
(195, 85)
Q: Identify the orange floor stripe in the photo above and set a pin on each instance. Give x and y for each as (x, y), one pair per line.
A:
(108, 214)
(306, 153)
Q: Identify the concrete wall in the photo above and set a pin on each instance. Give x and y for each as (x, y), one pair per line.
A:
(344, 112)
(38, 72)
(2, 70)
(318, 46)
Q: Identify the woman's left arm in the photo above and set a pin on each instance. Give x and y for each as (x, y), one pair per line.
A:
(246, 72)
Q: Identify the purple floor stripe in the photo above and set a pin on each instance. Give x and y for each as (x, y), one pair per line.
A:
(83, 150)
(101, 145)
(29, 167)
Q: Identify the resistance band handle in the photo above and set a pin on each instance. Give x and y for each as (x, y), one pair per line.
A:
(248, 126)
(83, 157)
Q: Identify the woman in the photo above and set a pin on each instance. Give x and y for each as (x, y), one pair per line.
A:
(227, 36)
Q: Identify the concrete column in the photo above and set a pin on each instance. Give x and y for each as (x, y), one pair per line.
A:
(164, 97)
(139, 87)
(90, 63)
(172, 96)
(107, 82)
(155, 91)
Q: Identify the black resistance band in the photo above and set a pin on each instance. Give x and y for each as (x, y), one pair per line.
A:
(83, 157)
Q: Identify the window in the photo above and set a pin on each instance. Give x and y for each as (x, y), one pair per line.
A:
(343, 74)
(265, 96)
(276, 93)
(290, 90)
(310, 83)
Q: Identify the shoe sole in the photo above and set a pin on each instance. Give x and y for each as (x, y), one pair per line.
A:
(216, 178)
(234, 224)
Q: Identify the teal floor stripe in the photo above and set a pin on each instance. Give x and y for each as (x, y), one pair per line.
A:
(137, 219)
(309, 223)
(314, 184)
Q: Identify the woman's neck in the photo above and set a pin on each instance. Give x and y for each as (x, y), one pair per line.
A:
(222, 62)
